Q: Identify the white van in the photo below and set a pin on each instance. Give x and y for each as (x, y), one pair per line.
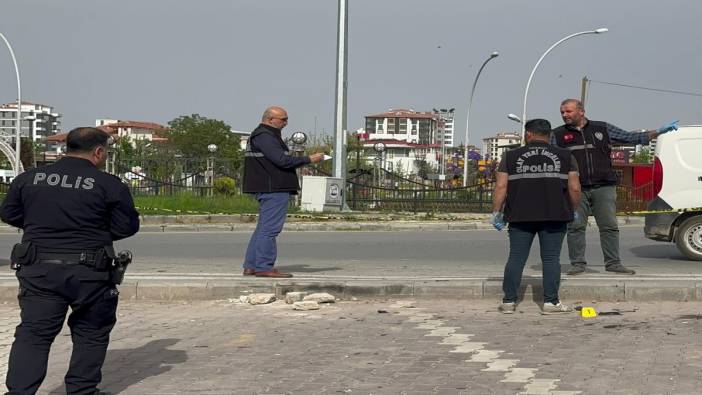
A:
(677, 186)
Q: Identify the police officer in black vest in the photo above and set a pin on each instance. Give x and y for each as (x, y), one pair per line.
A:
(269, 174)
(590, 142)
(536, 191)
(70, 213)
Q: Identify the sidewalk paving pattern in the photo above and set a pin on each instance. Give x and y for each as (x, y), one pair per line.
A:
(391, 347)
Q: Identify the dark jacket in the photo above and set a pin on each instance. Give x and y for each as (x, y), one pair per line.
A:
(70, 204)
(268, 165)
(537, 186)
(591, 147)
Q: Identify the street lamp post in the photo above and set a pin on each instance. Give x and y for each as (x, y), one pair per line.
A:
(470, 103)
(18, 131)
(526, 91)
(210, 167)
(379, 148)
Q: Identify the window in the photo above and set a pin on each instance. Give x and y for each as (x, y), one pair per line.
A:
(391, 126)
(403, 126)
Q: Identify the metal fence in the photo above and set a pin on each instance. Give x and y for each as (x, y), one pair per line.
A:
(179, 176)
(366, 189)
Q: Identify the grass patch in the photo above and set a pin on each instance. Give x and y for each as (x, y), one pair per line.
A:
(190, 204)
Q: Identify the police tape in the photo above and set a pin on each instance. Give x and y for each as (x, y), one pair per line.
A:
(671, 211)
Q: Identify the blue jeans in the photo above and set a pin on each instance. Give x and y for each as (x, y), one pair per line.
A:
(521, 235)
(262, 250)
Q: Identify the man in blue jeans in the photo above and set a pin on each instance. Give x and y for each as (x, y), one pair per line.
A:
(536, 192)
(269, 174)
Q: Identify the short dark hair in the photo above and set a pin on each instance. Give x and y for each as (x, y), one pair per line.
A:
(85, 139)
(578, 103)
(538, 126)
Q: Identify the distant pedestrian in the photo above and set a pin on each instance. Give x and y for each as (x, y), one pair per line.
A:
(536, 190)
(590, 142)
(269, 174)
(70, 213)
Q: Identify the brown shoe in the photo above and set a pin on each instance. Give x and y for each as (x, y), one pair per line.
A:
(273, 273)
(249, 272)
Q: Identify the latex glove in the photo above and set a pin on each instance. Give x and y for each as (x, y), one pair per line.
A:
(667, 128)
(576, 216)
(498, 220)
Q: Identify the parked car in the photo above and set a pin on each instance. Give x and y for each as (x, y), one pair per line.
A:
(677, 183)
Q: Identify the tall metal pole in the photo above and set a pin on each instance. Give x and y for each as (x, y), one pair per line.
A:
(339, 160)
(470, 104)
(583, 91)
(18, 131)
(526, 91)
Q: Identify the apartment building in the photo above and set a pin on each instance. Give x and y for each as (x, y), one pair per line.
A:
(495, 146)
(37, 120)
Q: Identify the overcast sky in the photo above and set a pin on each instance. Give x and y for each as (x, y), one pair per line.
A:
(154, 60)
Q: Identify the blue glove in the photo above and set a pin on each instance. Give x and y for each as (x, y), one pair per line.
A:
(497, 220)
(667, 128)
(576, 216)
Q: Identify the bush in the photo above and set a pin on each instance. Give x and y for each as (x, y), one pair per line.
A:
(224, 186)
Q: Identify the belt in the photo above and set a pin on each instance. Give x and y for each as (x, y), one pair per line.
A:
(78, 258)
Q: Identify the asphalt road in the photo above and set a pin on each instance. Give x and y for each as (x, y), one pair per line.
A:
(387, 254)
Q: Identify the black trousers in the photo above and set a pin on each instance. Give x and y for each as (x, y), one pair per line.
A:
(46, 292)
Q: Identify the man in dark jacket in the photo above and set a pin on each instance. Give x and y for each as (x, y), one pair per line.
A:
(590, 142)
(70, 213)
(536, 192)
(269, 174)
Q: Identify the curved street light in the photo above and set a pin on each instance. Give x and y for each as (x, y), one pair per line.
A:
(526, 91)
(18, 133)
(470, 103)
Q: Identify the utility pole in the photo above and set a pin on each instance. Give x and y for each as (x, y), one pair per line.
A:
(339, 160)
(583, 90)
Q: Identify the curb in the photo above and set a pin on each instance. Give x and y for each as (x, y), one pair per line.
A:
(186, 287)
(331, 226)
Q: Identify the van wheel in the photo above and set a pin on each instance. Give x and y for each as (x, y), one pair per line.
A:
(688, 238)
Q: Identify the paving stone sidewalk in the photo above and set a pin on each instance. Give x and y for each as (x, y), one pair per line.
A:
(391, 347)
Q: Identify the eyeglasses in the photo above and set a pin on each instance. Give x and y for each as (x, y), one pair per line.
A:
(283, 119)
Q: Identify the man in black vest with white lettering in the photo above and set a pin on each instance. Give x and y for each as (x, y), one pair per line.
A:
(70, 213)
(536, 191)
(590, 142)
(269, 174)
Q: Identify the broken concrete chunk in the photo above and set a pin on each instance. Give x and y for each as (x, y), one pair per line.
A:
(261, 298)
(321, 297)
(305, 305)
(292, 297)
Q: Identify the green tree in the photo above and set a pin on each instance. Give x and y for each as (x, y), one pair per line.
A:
(191, 134)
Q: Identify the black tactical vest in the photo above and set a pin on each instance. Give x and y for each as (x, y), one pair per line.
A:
(591, 147)
(537, 188)
(261, 175)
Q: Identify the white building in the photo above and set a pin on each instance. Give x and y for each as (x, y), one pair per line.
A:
(405, 125)
(495, 146)
(243, 138)
(410, 138)
(401, 156)
(134, 130)
(38, 120)
(447, 116)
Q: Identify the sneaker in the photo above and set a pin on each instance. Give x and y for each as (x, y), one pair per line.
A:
(507, 307)
(619, 269)
(577, 268)
(550, 308)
